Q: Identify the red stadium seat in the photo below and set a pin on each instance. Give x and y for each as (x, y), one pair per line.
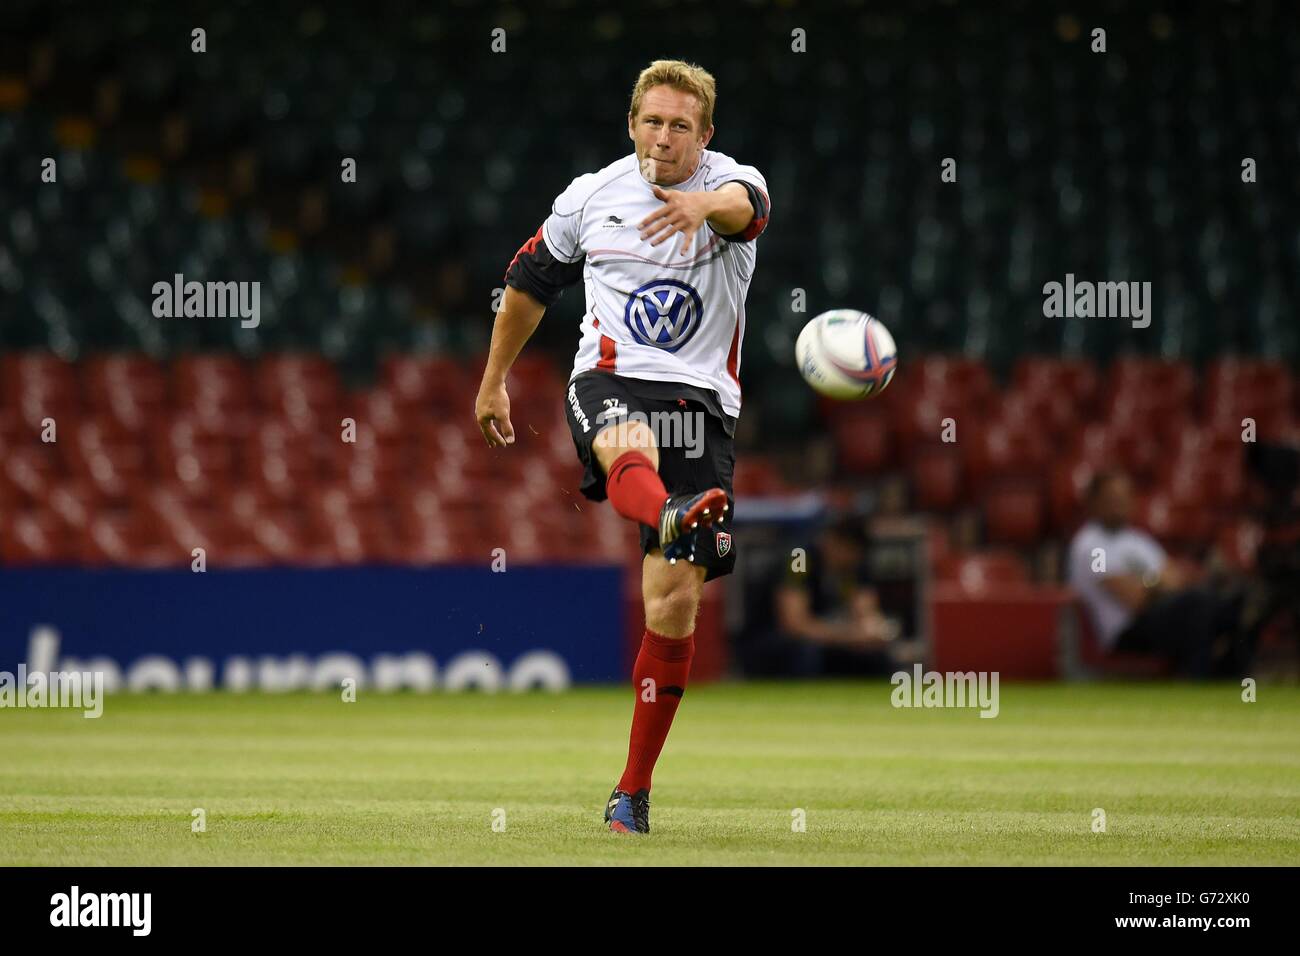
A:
(1207, 442)
(967, 379)
(936, 478)
(1247, 385)
(979, 571)
(1074, 378)
(286, 538)
(930, 418)
(428, 381)
(1067, 485)
(862, 442)
(1215, 483)
(124, 537)
(75, 502)
(35, 537)
(302, 389)
(1272, 421)
(1003, 450)
(1052, 413)
(361, 534)
(534, 381)
(1094, 445)
(31, 470)
(204, 381)
(1176, 525)
(39, 386)
(1139, 454)
(202, 463)
(375, 411)
(132, 389)
(1013, 513)
(1170, 383)
(183, 525)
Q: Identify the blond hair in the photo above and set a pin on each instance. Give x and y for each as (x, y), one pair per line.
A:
(682, 76)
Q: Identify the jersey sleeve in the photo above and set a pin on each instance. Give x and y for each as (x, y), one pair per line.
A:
(562, 229)
(756, 185)
(553, 259)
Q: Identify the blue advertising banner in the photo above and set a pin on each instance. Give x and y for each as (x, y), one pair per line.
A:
(286, 629)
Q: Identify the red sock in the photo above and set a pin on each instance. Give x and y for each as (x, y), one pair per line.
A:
(635, 489)
(667, 662)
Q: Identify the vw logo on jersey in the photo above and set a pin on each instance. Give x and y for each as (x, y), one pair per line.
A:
(664, 313)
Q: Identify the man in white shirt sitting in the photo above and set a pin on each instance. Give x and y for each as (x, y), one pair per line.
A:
(1138, 601)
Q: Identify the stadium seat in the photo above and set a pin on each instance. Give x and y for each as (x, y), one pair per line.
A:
(35, 538)
(977, 572)
(936, 478)
(862, 442)
(1014, 513)
(1182, 526)
(1004, 451)
(1076, 379)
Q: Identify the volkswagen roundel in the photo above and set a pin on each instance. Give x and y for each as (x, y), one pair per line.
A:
(664, 313)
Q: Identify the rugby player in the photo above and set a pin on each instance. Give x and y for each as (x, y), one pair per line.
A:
(664, 241)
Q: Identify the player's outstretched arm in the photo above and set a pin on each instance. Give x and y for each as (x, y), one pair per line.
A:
(732, 211)
(727, 209)
(516, 321)
(735, 210)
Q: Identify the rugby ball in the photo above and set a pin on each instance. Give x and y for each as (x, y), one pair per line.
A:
(846, 354)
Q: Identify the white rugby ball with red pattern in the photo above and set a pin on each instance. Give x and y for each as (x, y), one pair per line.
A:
(846, 354)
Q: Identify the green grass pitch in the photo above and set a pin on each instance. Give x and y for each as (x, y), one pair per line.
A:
(1185, 775)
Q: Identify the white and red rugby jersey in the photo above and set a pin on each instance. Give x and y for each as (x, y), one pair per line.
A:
(652, 312)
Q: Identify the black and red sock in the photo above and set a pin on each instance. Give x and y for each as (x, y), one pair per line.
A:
(635, 489)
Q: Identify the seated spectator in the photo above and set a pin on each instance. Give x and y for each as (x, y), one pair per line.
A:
(1139, 602)
(827, 619)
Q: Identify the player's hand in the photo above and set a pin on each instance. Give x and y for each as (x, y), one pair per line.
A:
(492, 409)
(683, 212)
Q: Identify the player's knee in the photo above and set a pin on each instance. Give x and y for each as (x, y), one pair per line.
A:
(638, 436)
(671, 611)
(615, 439)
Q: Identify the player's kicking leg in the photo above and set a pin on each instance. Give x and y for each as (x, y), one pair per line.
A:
(628, 456)
(671, 590)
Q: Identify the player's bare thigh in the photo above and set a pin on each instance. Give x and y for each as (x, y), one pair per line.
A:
(671, 593)
(618, 437)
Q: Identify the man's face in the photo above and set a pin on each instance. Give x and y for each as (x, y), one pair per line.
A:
(667, 135)
(1115, 502)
